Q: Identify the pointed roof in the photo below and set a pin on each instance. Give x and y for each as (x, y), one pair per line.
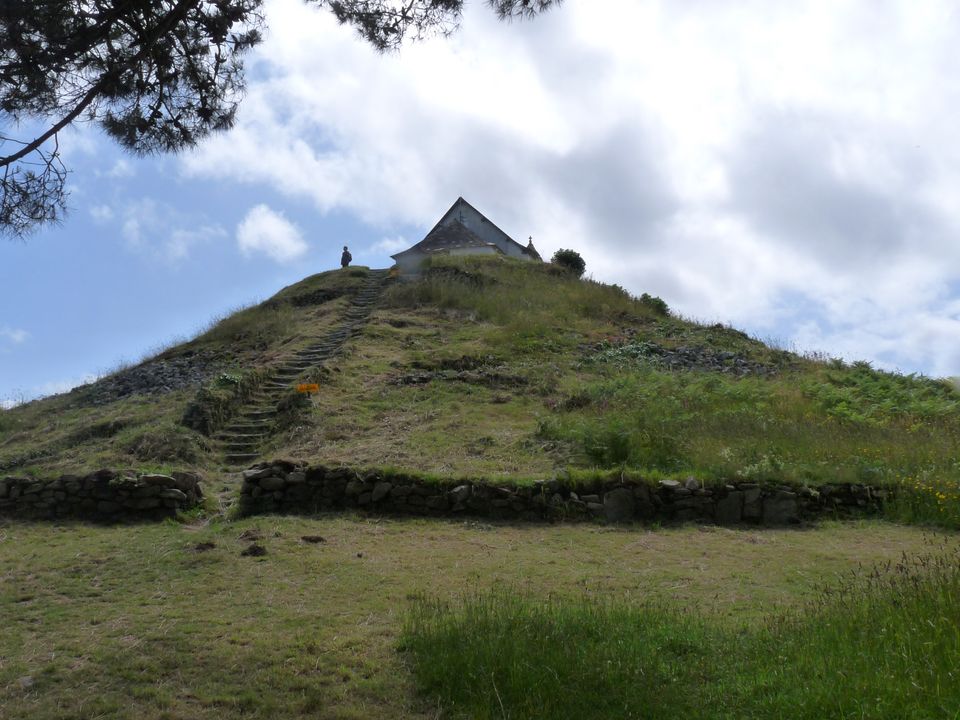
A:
(453, 231)
(448, 237)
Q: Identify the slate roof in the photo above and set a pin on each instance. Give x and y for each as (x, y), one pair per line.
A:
(453, 236)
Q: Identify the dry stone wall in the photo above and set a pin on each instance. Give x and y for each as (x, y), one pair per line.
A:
(106, 495)
(289, 488)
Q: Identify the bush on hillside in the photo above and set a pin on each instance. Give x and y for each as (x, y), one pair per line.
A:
(569, 260)
(656, 304)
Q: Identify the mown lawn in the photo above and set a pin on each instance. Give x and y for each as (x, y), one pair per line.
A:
(141, 622)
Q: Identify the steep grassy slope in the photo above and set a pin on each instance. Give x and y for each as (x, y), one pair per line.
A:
(135, 417)
(496, 368)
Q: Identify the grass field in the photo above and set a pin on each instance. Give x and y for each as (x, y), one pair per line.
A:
(142, 622)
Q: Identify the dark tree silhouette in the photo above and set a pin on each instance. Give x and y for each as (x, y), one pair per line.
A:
(156, 75)
(569, 260)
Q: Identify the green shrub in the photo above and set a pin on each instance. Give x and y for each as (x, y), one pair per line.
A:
(860, 394)
(656, 304)
(569, 260)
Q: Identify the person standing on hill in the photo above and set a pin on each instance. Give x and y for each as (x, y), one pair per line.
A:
(346, 257)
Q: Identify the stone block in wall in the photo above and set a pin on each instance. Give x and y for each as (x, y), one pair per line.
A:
(147, 503)
(729, 508)
(380, 491)
(296, 478)
(618, 505)
(355, 487)
(272, 482)
(437, 502)
(460, 494)
(644, 507)
(480, 504)
(780, 508)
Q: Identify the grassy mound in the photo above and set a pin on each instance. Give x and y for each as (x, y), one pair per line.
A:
(498, 369)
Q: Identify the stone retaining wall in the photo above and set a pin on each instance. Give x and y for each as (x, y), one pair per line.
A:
(284, 487)
(105, 495)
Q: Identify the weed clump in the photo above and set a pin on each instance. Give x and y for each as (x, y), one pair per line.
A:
(168, 444)
(214, 405)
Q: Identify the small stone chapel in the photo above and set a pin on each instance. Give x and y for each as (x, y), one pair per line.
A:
(463, 230)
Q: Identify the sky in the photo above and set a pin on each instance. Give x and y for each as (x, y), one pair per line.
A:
(791, 169)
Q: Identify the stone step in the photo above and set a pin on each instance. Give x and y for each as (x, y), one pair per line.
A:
(238, 458)
(239, 427)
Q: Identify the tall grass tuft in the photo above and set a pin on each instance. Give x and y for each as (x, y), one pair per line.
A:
(883, 644)
(501, 655)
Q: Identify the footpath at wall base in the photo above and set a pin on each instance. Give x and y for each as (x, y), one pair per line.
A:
(289, 488)
(105, 495)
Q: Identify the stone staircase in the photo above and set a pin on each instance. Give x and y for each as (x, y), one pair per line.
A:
(241, 439)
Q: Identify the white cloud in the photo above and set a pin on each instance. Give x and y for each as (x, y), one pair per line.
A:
(791, 167)
(180, 242)
(131, 231)
(121, 169)
(101, 213)
(52, 387)
(14, 335)
(163, 232)
(268, 232)
(389, 245)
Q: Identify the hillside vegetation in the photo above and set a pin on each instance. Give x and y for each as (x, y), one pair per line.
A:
(502, 369)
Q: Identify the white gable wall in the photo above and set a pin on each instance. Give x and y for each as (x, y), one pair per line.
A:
(484, 229)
